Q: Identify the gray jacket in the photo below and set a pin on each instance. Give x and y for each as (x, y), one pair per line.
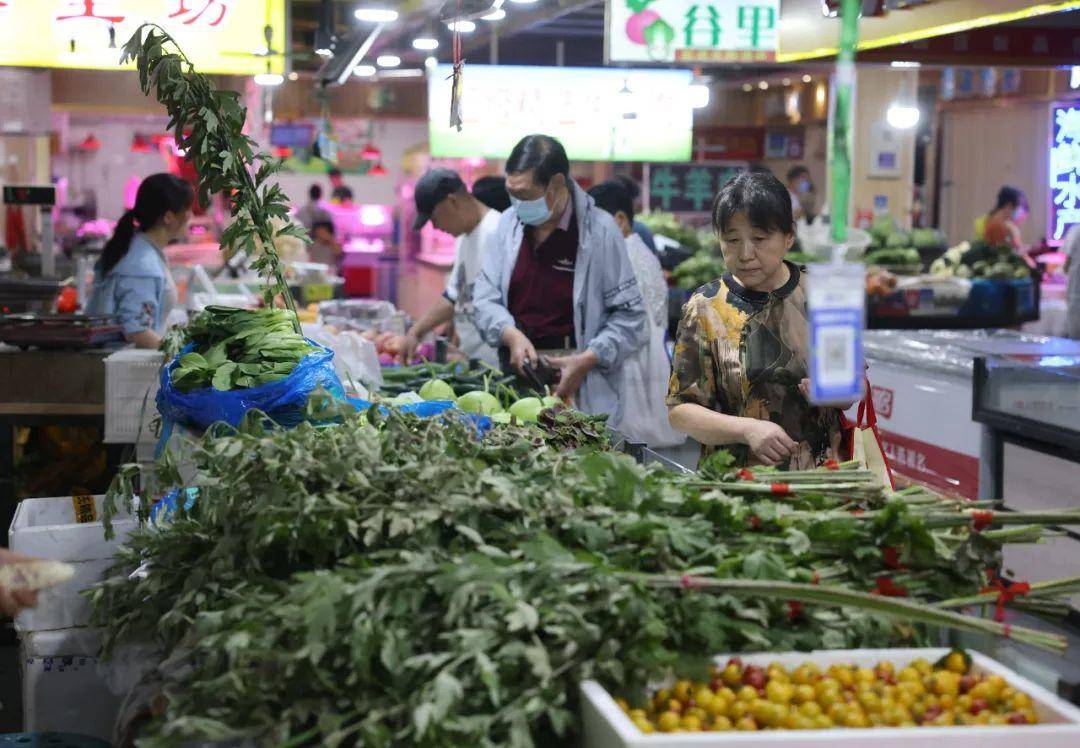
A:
(609, 316)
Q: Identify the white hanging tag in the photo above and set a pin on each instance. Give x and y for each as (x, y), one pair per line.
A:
(836, 296)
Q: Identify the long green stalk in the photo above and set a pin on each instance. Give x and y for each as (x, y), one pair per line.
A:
(889, 606)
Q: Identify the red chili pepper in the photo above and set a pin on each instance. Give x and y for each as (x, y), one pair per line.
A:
(891, 555)
(688, 582)
(794, 610)
(816, 579)
(1006, 593)
(981, 520)
(858, 511)
(886, 587)
(780, 489)
(755, 522)
(744, 474)
(831, 465)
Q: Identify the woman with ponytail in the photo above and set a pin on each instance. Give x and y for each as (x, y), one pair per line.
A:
(132, 281)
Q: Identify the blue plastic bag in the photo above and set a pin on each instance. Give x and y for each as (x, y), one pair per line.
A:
(283, 401)
(429, 409)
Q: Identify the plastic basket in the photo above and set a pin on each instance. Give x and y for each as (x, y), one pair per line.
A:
(131, 385)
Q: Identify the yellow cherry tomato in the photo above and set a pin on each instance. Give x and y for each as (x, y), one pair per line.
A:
(747, 693)
(810, 709)
(690, 723)
(804, 693)
(746, 724)
(682, 690)
(732, 675)
(955, 663)
(721, 723)
(907, 675)
(645, 726)
(738, 710)
(822, 722)
(718, 706)
(669, 721)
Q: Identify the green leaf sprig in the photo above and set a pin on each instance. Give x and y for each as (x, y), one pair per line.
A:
(209, 125)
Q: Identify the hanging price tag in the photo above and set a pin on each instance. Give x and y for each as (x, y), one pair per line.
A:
(837, 311)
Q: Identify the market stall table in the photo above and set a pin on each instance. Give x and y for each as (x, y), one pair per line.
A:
(45, 388)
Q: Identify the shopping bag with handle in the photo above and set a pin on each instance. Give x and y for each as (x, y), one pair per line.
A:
(866, 445)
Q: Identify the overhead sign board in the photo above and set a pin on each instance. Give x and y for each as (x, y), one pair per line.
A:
(1064, 171)
(216, 35)
(599, 114)
(692, 31)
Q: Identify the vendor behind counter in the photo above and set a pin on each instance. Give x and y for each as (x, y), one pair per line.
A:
(132, 280)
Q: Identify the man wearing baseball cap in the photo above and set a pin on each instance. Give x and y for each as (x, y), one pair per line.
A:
(442, 198)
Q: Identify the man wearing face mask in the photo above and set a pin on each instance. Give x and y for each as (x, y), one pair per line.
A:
(557, 284)
(801, 188)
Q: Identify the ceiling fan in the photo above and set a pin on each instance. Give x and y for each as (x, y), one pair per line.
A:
(268, 51)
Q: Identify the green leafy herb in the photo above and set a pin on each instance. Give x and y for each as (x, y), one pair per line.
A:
(209, 125)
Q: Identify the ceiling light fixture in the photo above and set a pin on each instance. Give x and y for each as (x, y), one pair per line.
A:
(364, 71)
(269, 79)
(699, 95)
(402, 73)
(388, 61)
(462, 27)
(905, 64)
(747, 87)
(902, 116)
(786, 81)
(764, 85)
(807, 78)
(376, 15)
(425, 43)
(524, 2)
(495, 15)
(431, 62)
(294, 76)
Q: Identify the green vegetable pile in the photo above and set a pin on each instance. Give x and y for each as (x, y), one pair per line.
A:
(704, 267)
(893, 248)
(391, 581)
(237, 348)
(668, 225)
(458, 378)
(475, 388)
(980, 260)
(893, 257)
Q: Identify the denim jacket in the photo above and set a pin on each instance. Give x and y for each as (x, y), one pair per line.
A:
(134, 290)
(609, 316)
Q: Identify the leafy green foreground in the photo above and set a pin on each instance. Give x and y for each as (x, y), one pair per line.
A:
(404, 583)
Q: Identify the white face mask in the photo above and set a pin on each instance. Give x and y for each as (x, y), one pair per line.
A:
(532, 212)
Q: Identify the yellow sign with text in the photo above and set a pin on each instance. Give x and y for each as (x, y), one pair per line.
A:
(218, 36)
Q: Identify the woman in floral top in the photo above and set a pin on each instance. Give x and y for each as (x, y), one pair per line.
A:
(739, 373)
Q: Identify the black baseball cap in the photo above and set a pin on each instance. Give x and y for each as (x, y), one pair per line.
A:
(430, 191)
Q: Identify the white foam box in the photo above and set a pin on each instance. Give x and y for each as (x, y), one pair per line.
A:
(68, 688)
(606, 726)
(131, 383)
(47, 528)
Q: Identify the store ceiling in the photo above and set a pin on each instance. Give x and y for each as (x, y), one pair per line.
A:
(571, 32)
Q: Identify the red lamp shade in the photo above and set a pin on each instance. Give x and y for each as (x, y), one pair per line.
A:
(139, 144)
(377, 170)
(371, 153)
(90, 143)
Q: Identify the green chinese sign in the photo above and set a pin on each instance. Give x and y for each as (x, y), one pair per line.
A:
(687, 188)
(692, 31)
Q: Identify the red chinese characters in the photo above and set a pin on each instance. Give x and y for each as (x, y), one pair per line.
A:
(87, 11)
(212, 12)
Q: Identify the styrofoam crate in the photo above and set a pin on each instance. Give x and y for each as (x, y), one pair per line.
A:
(46, 528)
(606, 726)
(131, 384)
(67, 688)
